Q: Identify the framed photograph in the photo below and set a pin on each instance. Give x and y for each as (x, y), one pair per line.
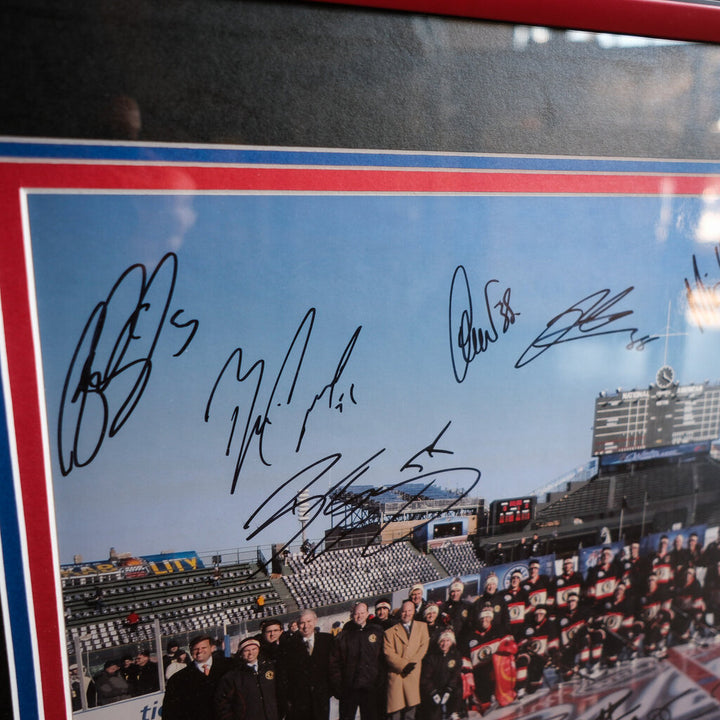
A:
(433, 328)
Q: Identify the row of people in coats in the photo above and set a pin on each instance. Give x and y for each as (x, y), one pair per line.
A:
(383, 666)
(120, 679)
(426, 659)
(498, 647)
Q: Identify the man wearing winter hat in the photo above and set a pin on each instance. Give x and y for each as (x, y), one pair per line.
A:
(248, 691)
(416, 598)
(383, 616)
(457, 611)
(484, 643)
(110, 685)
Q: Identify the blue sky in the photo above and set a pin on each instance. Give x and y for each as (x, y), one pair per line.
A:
(249, 268)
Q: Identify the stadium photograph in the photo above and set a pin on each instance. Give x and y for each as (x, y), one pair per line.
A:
(375, 448)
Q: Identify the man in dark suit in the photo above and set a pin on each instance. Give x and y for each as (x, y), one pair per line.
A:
(304, 672)
(248, 691)
(144, 677)
(190, 693)
(355, 665)
(271, 635)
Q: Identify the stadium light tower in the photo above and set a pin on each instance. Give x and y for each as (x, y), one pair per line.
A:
(303, 509)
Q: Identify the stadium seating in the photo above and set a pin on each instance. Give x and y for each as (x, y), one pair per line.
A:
(184, 601)
(604, 494)
(459, 558)
(340, 575)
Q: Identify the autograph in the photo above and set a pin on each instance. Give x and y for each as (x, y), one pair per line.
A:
(428, 450)
(112, 362)
(334, 500)
(330, 387)
(608, 712)
(663, 712)
(703, 300)
(586, 318)
(589, 317)
(466, 339)
(255, 425)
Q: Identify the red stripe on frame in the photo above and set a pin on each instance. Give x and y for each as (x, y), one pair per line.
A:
(26, 416)
(179, 177)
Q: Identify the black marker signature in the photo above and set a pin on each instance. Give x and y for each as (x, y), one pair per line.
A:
(466, 339)
(255, 425)
(608, 712)
(412, 498)
(703, 300)
(429, 450)
(320, 501)
(663, 712)
(116, 349)
(330, 387)
(334, 500)
(584, 319)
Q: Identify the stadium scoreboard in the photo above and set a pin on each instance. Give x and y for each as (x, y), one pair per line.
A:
(513, 513)
(656, 417)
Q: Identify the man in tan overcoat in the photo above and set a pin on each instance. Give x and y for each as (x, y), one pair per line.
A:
(405, 646)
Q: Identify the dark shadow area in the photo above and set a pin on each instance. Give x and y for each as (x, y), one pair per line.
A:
(313, 75)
